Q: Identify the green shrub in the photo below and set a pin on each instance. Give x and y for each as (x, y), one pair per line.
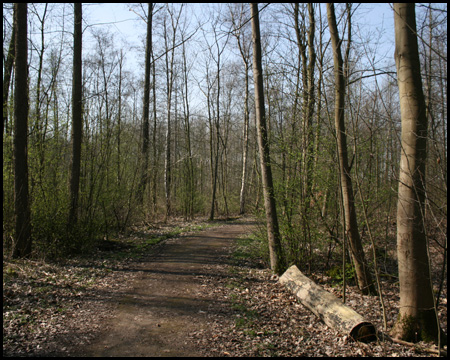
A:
(336, 274)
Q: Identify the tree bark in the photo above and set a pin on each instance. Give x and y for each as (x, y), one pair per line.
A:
(170, 81)
(76, 115)
(7, 76)
(365, 282)
(245, 145)
(6, 82)
(417, 318)
(167, 161)
(22, 245)
(215, 168)
(146, 108)
(273, 233)
(155, 128)
(327, 307)
(244, 49)
(211, 145)
(190, 186)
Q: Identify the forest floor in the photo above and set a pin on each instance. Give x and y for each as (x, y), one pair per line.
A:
(174, 290)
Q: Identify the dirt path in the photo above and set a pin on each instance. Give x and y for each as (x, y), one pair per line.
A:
(165, 303)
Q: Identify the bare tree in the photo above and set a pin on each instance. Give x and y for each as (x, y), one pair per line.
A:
(146, 108)
(190, 186)
(417, 319)
(77, 122)
(7, 76)
(22, 246)
(273, 233)
(244, 49)
(175, 18)
(365, 283)
(6, 82)
(215, 111)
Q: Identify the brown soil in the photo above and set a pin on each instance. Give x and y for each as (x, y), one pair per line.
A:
(199, 294)
(165, 304)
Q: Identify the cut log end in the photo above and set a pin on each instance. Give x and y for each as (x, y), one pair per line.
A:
(364, 332)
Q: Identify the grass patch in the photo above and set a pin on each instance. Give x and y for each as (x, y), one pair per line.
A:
(139, 242)
(245, 317)
(250, 251)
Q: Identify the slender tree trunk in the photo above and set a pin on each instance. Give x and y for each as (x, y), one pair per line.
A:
(309, 146)
(119, 117)
(217, 128)
(319, 108)
(167, 164)
(170, 80)
(245, 145)
(190, 186)
(6, 82)
(417, 319)
(273, 233)
(22, 246)
(244, 49)
(39, 135)
(167, 161)
(217, 119)
(168, 157)
(155, 152)
(307, 71)
(211, 146)
(76, 115)
(146, 108)
(365, 283)
(7, 76)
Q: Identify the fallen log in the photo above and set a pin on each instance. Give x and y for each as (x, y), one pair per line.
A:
(327, 307)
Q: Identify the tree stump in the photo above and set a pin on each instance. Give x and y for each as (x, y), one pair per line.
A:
(327, 307)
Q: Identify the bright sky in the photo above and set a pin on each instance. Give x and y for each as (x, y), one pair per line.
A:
(373, 17)
(118, 18)
(373, 21)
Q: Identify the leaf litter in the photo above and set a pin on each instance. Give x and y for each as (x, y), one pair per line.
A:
(52, 309)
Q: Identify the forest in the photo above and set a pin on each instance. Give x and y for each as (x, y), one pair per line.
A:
(319, 130)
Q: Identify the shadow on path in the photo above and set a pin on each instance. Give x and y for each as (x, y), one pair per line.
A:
(166, 302)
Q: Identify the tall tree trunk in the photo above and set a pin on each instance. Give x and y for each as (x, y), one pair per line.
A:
(119, 117)
(39, 137)
(76, 115)
(211, 145)
(146, 108)
(273, 233)
(365, 282)
(309, 112)
(167, 160)
(7, 76)
(417, 319)
(217, 128)
(170, 79)
(244, 49)
(22, 246)
(6, 82)
(155, 152)
(190, 186)
(245, 144)
(217, 119)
